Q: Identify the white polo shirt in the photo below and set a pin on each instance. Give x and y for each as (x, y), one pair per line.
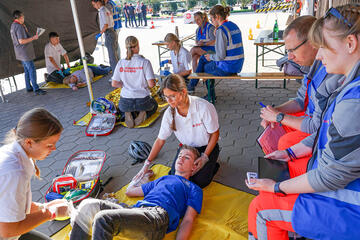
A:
(16, 170)
(134, 74)
(194, 129)
(182, 61)
(55, 52)
(105, 17)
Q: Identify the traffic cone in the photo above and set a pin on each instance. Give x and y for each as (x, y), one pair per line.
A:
(152, 24)
(258, 24)
(172, 18)
(250, 37)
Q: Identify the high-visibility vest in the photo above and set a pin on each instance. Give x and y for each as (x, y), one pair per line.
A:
(234, 59)
(333, 214)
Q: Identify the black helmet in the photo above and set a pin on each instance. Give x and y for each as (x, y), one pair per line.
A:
(139, 151)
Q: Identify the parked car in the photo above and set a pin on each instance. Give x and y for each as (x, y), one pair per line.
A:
(181, 10)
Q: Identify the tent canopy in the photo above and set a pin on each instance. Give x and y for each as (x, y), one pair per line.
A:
(52, 15)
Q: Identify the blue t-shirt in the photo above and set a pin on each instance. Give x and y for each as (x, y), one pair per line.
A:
(173, 193)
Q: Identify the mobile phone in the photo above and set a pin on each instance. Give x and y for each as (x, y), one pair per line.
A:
(251, 175)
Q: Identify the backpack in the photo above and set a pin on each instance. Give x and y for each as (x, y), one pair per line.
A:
(290, 68)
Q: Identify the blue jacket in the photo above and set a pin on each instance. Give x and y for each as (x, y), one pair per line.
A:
(116, 14)
(234, 59)
(204, 34)
(333, 212)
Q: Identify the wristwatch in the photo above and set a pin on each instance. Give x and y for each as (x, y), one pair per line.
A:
(280, 117)
(278, 191)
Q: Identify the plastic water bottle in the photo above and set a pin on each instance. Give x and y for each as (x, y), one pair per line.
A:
(276, 31)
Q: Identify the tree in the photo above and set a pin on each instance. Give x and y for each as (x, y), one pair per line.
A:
(231, 2)
(173, 6)
(212, 3)
(191, 3)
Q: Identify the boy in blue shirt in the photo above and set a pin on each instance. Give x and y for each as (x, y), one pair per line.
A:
(166, 200)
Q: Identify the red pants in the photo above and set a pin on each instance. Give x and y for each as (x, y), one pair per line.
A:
(298, 166)
(270, 216)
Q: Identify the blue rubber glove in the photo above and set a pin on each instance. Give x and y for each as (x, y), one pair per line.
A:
(162, 63)
(61, 73)
(97, 36)
(67, 71)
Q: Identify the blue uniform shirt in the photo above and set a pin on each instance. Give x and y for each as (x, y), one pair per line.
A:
(173, 193)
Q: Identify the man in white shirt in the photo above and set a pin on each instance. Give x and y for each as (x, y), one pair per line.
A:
(53, 53)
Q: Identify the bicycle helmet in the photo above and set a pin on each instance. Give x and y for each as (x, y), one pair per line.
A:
(139, 151)
(102, 105)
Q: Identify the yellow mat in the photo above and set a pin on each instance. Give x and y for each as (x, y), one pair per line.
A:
(223, 215)
(52, 85)
(114, 96)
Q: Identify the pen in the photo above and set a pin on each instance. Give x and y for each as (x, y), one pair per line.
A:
(261, 104)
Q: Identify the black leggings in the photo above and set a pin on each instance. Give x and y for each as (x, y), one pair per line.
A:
(34, 235)
(205, 175)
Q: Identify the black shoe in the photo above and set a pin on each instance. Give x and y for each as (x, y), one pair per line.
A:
(40, 92)
(30, 90)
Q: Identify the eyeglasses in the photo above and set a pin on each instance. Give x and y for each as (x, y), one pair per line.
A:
(171, 97)
(294, 49)
(337, 14)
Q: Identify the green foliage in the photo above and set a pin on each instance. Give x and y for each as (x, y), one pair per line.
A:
(212, 3)
(173, 6)
(244, 3)
(231, 2)
(191, 3)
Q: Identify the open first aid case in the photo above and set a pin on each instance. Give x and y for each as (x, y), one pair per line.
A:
(80, 178)
(101, 124)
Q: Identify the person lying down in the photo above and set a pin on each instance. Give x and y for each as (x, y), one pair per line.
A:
(166, 200)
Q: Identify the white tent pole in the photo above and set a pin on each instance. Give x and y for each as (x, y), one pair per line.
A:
(81, 45)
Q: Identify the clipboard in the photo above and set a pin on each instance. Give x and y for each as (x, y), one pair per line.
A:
(269, 138)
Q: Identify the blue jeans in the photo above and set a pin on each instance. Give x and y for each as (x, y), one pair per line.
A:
(30, 75)
(99, 70)
(140, 17)
(132, 20)
(126, 20)
(147, 104)
(111, 43)
(144, 16)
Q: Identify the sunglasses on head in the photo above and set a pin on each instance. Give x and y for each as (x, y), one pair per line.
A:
(337, 14)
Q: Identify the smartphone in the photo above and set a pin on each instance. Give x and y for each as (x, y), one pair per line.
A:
(251, 175)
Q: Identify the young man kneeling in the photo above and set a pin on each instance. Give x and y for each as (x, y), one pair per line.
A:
(166, 200)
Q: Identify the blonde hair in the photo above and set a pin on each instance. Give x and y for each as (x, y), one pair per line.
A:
(176, 83)
(221, 11)
(203, 16)
(351, 12)
(170, 37)
(130, 43)
(37, 124)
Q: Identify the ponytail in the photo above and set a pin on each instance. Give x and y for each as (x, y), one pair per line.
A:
(221, 11)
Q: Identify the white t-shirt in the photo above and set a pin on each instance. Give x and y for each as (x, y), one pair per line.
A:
(194, 129)
(80, 74)
(182, 61)
(134, 74)
(55, 52)
(105, 17)
(16, 170)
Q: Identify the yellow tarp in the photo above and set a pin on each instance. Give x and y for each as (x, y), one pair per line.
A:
(114, 96)
(223, 216)
(52, 85)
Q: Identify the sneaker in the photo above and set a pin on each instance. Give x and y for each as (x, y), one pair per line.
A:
(140, 118)
(40, 92)
(129, 120)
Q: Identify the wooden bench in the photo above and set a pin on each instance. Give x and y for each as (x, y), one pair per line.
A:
(245, 76)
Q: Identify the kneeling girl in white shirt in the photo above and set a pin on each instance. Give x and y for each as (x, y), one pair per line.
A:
(134, 75)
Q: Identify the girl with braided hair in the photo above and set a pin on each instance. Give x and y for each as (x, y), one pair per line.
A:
(324, 202)
(194, 122)
(134, 75)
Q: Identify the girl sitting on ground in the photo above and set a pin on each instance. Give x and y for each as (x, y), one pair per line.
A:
(134, 75)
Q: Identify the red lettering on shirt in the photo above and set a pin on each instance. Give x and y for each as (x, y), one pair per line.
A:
(121, 69)
(196, 125)
(131, 69)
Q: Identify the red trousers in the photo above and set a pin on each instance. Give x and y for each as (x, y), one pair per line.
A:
(298, 166)
(269, 216)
